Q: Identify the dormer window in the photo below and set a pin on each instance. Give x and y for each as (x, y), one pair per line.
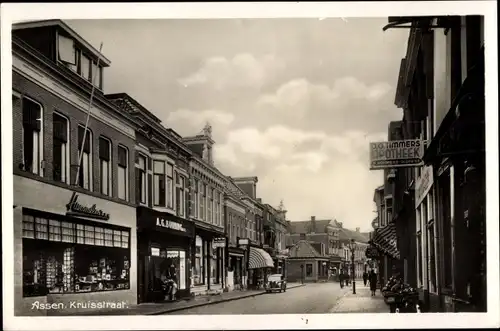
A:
(78, 60)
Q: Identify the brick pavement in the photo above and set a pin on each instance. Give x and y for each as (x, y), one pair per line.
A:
(168, 307)
(361, 302)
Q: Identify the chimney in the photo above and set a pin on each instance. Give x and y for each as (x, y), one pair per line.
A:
(357, 229)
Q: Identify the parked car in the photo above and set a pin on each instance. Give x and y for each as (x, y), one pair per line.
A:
(275, 282)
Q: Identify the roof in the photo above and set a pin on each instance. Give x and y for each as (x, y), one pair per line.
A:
(59, 23)
(306, 226)
(346, 234)
(303, 249)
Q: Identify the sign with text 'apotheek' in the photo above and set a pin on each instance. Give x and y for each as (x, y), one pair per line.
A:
(396, 154)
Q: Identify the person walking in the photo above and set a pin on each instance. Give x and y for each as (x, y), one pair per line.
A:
(373, 282)
(365, 277)
(341, 279)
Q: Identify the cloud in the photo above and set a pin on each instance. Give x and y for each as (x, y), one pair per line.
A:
(300, 97)
(243, 70)
(191, 122)
(331, 175)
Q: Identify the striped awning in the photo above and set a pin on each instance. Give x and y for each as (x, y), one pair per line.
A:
(259, 258)
(386, 240)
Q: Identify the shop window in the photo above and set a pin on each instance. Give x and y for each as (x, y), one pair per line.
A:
(159, 183)
(123, 173)
(105, 165)
(170, 186)
(213, 265)
(420, 267)
(85, 152)
(32, 135)
(309, 270)
(60, 156)
(66, 257)
(199, 267)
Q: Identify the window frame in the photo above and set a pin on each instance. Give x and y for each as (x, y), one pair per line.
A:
(90, 160)
(40, 171)
(180, 189)
(143, 172)
(169, 185)
(110, 167)
(66, 162)
(155, 174)
(127, 175)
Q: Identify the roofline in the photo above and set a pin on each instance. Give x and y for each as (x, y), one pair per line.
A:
(61, 24)
(124, 95)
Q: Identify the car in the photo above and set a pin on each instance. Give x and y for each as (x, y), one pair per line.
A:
(275, 282)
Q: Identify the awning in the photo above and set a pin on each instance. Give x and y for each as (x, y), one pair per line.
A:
(259, 258)
(386, 240)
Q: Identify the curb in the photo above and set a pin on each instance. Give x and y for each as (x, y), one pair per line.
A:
(171, 310)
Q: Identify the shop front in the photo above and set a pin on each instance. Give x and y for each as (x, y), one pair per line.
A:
(236, 268)
(164, 247)
(208, 260)
(260, 264)
(72, 251)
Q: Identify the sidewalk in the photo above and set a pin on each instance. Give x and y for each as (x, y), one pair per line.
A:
(361, 302)
(168, 307)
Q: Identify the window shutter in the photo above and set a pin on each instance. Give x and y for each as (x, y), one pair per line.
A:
(31, 114)
(60, 130)
(137, 185)
(86, 146)
(104, 152)
(122, 157)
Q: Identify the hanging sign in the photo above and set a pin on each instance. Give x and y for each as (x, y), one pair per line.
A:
(219, 242)
(397, 153)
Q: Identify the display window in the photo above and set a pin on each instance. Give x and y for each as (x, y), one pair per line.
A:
(68, 257)
(169, 264)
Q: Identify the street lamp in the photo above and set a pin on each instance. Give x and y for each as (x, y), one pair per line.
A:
(352, 247)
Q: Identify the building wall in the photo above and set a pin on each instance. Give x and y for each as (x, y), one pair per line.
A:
(38, 86)
(295, 271)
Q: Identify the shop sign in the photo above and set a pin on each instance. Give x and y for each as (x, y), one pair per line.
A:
(219, 242)
(168, 224)
(74, 208)
(371, 252)
(243, 242)
(396, 154)
(423, 185)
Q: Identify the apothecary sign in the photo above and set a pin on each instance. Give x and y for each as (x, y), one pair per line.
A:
(74, 208)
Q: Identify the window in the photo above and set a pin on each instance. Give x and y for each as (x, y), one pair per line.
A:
(85, 66)
(309, 270)
(66, 257)
(159, 183)
(169, 264)
(60, 156)
(32, 135)
(217, 208)
(210, 203)
(67, 52)
(85, 151)
(96, 75)
(194, 207)
(122, 173)
(105, 165)
(141, 179)
(170, 186)
(180, 194)
(202, 200)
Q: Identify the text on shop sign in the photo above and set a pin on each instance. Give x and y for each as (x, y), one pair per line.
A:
(76, 209)
(400, 153)
(170, 224)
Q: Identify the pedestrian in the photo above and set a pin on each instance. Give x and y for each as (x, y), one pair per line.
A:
(341, 279)
(365, 277)
(373, 282)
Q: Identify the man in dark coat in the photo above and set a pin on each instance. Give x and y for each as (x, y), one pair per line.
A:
(373, 282)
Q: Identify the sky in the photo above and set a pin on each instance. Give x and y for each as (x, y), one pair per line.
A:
(294, 102)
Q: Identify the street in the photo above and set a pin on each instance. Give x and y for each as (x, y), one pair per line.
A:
(314, 298)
